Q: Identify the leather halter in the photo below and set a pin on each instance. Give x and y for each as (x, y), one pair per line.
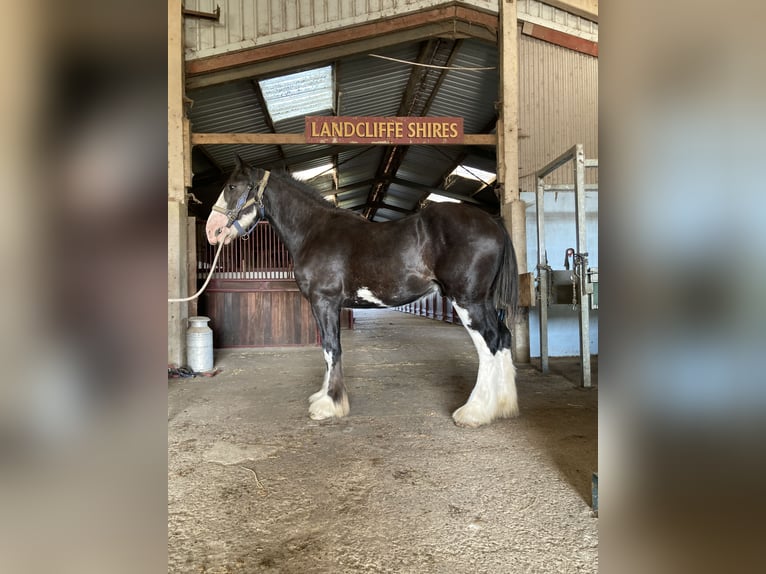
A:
(244, 203)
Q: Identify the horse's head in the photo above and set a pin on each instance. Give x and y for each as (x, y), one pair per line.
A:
(240, 206)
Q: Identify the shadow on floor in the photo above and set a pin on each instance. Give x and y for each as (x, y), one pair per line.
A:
(562, 418)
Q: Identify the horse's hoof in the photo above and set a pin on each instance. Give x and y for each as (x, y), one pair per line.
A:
(317, 395)
(470, 416)
(325, 408)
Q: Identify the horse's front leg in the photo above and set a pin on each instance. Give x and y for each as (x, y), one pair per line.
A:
(331, 400)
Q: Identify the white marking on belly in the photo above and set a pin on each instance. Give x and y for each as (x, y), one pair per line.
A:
(366, 295)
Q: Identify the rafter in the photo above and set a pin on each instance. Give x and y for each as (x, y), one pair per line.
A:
(416, 101)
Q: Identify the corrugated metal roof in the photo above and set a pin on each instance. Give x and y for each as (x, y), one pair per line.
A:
(470, 95)
(424, 165)
(233, 108)
(373, 87)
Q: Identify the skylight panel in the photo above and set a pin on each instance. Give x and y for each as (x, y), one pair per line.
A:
(474, 173)
(299, 94)
(312, 172)
(435, 197)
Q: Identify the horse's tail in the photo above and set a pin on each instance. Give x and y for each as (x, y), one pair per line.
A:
(506, 285)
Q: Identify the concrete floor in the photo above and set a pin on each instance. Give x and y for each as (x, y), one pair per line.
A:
(254, 485)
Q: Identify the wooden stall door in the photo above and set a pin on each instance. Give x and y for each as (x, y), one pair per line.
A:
(253, 300)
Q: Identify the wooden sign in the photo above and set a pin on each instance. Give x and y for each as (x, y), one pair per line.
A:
(391, 130)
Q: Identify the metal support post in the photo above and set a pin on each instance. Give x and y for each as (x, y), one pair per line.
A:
(542, 269)
(582, 266)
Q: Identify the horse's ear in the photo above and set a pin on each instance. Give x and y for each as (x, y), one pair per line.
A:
(240, 162)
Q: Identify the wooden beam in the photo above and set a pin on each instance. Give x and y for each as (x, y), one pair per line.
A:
(300, 139)
(191, 262)
(527, 290)
(560, 39)
(446, 21)
(176, 160)
(178, 169)
(512, 208)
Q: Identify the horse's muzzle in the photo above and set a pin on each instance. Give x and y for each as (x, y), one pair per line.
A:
(216, 229)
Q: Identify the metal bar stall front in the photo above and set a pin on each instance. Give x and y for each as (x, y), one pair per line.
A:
(577, 156)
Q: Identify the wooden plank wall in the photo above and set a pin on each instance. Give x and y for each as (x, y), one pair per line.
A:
(253, 300)
(259, 313)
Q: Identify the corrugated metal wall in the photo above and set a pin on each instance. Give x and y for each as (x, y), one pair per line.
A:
(247, 23)
(558, 107)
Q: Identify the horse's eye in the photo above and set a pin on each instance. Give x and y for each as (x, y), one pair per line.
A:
(249, 187)
(232, 187)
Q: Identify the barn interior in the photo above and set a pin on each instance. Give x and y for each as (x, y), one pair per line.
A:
(254, 485)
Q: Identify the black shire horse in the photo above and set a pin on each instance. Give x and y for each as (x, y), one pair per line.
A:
(344, 260)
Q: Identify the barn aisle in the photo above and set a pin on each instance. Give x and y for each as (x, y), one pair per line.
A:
(254, 485)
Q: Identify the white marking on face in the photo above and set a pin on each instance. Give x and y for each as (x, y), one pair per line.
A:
(366, 295)
(216, 229)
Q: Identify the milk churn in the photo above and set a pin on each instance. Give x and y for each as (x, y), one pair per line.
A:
(199, 344)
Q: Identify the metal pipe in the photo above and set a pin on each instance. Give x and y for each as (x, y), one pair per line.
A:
(558, 162)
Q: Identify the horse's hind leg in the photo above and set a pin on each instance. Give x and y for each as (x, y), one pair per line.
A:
(494, 395)
(331, 400)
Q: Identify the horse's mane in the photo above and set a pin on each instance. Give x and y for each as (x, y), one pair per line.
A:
(284, 177)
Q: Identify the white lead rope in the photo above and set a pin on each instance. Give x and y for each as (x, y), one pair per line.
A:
(209, 277)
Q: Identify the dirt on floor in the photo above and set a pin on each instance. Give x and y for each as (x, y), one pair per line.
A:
(254, 485)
